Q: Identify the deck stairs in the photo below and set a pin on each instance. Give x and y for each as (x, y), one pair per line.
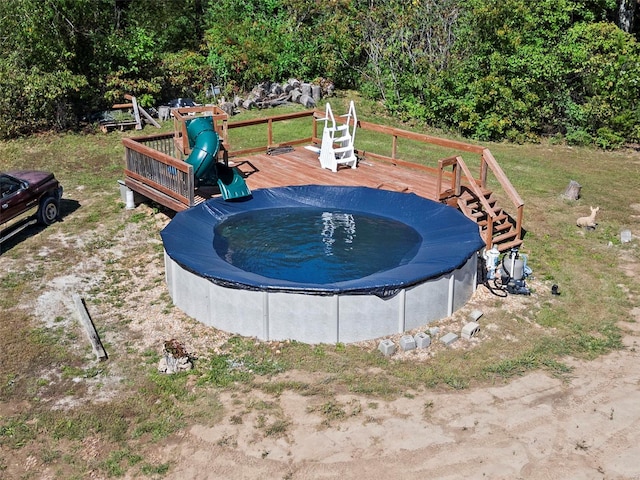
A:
(337, 140)
(498, 224)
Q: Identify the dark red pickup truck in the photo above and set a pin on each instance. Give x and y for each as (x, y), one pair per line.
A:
(27, 197)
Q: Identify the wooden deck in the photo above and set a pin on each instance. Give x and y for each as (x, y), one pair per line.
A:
(154, 167)
(301, 167)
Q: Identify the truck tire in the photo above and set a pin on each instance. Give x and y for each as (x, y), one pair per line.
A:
(49, 211)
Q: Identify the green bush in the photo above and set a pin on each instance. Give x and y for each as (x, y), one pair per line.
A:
(607, 139)
(33, 100)
(185, 74)
(603, 82)
(578, 137)
(518, 70)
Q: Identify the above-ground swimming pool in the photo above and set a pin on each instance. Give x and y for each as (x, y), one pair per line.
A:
(321, 264)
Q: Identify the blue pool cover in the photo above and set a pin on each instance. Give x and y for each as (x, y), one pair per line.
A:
(448, 238)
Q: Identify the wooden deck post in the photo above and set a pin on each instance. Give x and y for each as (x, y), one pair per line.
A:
(483, 171)
(270, 133)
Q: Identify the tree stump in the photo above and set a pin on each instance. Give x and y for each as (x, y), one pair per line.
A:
(295, 95)
(573, 191)
(228, 108)
(316, 92)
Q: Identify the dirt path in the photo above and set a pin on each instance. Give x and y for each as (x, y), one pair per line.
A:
(535, 427)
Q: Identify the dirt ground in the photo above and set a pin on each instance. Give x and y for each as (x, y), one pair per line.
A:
(586, 426)
(536, 427)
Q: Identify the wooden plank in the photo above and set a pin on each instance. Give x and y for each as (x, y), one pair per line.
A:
(122, 106)
(136, 113)
(89, 328)
(105, 127)
(502, 178)
(149, 117)
(16, 227)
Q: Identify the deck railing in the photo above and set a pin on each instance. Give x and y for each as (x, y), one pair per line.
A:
(489, 163)
(269, 137)
(152, 169)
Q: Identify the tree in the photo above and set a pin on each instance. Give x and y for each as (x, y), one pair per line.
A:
(627, 15)
(603, 81)
(44, 61)
(253, 41)
(408, 47)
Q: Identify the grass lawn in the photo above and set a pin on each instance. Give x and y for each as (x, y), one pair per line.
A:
(72, 415)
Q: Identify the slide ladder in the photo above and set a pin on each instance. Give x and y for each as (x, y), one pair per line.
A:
(337, 140)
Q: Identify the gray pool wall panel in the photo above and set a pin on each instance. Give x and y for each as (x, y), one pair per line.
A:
(318, 318)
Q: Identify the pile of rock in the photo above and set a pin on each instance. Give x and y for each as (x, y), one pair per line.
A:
(272, 94)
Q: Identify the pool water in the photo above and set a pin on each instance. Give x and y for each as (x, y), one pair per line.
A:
(314, 245)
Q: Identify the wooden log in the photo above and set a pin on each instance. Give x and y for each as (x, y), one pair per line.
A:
(316, 92)
(228, 108)
(307, 101)
(90, 329)
(273, 102)
(572, 191)
(249, 103)
(295, 95)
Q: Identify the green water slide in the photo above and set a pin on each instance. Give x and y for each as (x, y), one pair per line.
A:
(205, 143)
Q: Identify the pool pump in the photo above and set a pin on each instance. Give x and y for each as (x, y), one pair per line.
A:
(513, 272)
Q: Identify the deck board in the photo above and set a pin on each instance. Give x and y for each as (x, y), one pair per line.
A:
(302, 167)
